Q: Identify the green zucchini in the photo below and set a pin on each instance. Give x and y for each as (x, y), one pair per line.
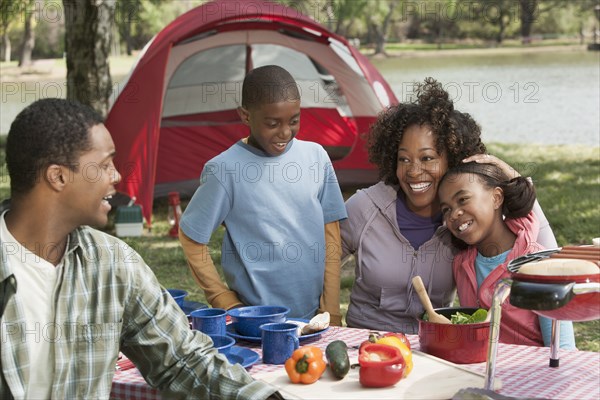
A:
(337, 356)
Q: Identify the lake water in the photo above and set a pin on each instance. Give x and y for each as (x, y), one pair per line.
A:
(549, 98)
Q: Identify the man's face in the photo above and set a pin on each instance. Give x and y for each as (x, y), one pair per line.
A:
(92, 184)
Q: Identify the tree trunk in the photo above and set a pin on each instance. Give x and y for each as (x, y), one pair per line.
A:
(379, 38)
(127, 10)
(501, 26)
(500, 35)
(6, 48)
(88, 25)
(128, 44)
(329, 9)
(528, 15)
(381, 33)
(28, 41)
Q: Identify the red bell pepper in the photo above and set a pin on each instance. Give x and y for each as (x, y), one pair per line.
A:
(380, 365)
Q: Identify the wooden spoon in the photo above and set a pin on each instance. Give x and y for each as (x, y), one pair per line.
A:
(426, 302)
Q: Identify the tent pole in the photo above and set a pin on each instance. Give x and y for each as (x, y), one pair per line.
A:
(248, 58)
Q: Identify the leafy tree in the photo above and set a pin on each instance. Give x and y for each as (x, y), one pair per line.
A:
(50, 31)
(130, 13)
(493, 20)
(126, 12)
(347, 13)
(531, 10)
(499, 14)
(87, 42)
(379, 19)
(153, 15)
(10, 11)
(439, 18)
(528, 15)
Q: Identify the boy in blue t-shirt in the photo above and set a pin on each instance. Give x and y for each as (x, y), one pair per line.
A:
(281, 204)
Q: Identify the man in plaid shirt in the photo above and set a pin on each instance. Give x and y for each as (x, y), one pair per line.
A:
(71, 296)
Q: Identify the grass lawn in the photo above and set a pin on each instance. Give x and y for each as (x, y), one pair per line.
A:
(567, 179)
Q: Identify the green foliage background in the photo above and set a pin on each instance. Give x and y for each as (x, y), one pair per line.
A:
(425, 21)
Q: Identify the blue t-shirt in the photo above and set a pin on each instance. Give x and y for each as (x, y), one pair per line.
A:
(274, 210)
(485, 265)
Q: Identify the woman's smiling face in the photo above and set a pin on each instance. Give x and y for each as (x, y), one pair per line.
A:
(420, 169)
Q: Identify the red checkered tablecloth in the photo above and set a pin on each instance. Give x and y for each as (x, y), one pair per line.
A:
(523, 370)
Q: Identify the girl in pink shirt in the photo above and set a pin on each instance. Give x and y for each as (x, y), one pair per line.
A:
(491, 220)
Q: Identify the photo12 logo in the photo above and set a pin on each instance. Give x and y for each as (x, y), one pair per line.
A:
(482, 10)
(318, 10)
(57, 11)
(27, 92)
(489, 92)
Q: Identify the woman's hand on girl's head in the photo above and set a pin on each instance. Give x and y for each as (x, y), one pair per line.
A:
(490, 159)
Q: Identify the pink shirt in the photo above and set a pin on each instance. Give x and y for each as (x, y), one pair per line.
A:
(518, 326)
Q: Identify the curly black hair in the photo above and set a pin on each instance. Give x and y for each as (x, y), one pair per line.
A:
(456, 133)
(49, 131)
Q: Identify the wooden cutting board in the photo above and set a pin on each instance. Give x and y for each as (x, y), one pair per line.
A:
(431, 378)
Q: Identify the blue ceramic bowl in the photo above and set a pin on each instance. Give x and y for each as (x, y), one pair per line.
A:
(249, 319)
(178, 295)
(223, 343)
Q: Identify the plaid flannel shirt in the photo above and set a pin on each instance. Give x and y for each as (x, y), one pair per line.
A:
(107, 300)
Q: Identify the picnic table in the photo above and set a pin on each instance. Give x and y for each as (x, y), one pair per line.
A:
(521, 371)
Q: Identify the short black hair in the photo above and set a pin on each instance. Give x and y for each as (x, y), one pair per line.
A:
(49, 131)
(456, 133)
(267, 85)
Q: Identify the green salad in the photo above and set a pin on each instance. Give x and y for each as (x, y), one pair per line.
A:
(462, 318)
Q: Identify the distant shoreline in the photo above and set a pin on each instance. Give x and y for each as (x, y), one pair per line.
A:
(51, 69)
(479, 51)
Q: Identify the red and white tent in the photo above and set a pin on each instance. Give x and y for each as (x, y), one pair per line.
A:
(177, 109)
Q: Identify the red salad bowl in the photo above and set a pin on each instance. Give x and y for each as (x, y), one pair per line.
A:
(457, 343)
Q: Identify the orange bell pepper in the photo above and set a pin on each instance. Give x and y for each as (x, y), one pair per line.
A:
(306, 365)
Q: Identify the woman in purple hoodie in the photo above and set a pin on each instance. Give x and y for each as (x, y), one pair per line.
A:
(394, 228)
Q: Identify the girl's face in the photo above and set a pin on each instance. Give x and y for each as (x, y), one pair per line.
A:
(472, 211)
(420, 169)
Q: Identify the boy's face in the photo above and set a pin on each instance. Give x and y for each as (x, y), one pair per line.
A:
(272, 126)
(90, 186)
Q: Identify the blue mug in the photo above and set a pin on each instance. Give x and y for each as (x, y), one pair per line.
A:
(210, 321)
(279, 340)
